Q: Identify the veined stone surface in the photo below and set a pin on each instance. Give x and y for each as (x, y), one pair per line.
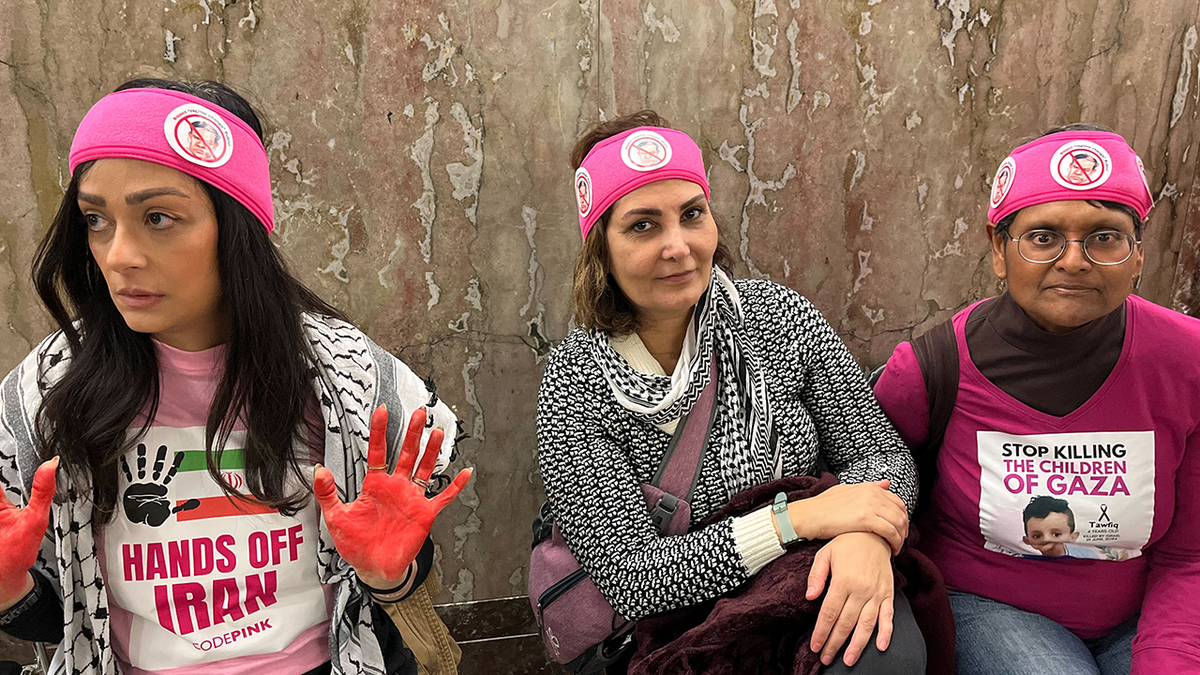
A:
(420, 158)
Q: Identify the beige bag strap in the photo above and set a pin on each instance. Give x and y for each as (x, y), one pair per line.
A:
(423, 631)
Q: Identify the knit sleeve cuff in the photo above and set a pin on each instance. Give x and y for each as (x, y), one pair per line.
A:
(756, 541)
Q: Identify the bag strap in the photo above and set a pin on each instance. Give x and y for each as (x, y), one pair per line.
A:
(937, 354)
(679, 469)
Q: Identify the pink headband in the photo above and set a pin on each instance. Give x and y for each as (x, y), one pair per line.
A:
(623, 163)
(183, 132)
(1070, 165)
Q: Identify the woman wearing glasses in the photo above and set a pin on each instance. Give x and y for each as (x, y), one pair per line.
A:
(1063, 505)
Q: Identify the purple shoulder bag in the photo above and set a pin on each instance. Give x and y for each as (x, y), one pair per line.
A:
(580, 628)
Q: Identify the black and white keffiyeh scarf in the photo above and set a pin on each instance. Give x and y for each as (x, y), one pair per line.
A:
(750, 453)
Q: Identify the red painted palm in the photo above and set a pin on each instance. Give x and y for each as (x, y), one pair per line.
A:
(22, 530)
(381, 532)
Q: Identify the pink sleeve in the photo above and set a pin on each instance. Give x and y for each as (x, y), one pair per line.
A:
(901, 393)
(1168, 636)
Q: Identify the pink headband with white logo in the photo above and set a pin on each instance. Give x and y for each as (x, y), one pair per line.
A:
(1070, 165)
(623, 163)
(183, 132)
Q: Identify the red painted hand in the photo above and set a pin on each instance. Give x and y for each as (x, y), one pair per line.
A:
(21, 533)
(381, 532)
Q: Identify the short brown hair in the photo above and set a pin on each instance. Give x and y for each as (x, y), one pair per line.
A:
(596, 300)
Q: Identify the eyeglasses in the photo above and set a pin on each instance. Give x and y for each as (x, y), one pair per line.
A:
(1105, 247)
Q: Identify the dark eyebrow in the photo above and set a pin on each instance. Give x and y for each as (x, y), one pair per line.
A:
(90, 198)
(1102, 226)
(646, 211)
(139, 197)
(650, 211)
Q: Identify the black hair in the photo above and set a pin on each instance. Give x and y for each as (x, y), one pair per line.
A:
(85, 418)
(1043, 506)
(1006, 222)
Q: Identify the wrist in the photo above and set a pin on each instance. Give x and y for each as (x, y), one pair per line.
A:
(783, 521)
(11, 595)
(382, 588)
(864, 537)
(394, 596)
(370, 580)
(801, 520)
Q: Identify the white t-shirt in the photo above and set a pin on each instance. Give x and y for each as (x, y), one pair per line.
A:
(199, 582)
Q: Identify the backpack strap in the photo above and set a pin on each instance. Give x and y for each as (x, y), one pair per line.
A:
(679, 469)
(937, 354)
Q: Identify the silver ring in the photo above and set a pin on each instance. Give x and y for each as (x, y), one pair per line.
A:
(423, 483)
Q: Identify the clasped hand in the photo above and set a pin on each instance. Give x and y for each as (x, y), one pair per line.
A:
(858, 569)
(852, 507)
(866, 525)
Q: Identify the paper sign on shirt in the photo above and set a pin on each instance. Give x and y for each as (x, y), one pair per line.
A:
(199, 577)
(1079, 495)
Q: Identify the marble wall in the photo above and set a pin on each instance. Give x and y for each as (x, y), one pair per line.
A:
(419, 153)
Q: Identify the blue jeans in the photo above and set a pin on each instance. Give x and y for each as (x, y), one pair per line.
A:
(994, 637)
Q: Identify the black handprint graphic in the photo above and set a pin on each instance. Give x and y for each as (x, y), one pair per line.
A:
(146, 502)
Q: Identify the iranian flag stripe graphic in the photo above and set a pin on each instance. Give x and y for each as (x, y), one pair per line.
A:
(231, 458)
(220, 506)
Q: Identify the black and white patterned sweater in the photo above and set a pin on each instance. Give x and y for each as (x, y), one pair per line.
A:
(594, 455)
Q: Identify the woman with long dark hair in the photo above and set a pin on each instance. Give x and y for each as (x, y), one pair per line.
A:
(191, 388)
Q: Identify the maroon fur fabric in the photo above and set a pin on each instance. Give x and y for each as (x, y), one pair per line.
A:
(926, 591)
(764, 625)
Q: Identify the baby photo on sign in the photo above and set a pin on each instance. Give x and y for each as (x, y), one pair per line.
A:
(1086, 495)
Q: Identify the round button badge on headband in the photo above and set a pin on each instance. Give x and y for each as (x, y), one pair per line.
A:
(583, 191)
(645, 151)
(1080, 165)
(1005, 176)
(199, 135)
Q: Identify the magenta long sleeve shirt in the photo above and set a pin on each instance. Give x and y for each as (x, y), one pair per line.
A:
(1088, 519)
